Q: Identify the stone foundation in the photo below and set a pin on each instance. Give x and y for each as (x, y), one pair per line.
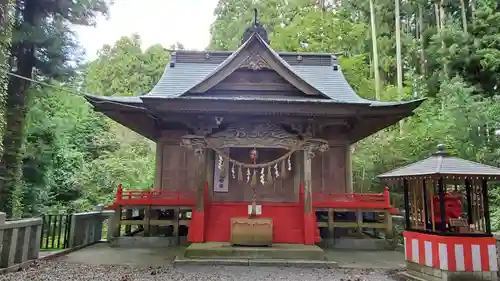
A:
(436, 274)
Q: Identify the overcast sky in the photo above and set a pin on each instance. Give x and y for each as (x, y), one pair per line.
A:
(156, 21)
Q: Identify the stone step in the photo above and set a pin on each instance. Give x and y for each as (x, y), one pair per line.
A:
(179, 261)
(213, 250)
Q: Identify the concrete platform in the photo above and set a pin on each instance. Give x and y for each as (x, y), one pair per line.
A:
(365, 243)
(103, 254)
(355, 259)
(215, 250)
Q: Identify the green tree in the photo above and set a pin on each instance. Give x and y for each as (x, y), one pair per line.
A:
(123, 69)
(63, 135)
(42, 44)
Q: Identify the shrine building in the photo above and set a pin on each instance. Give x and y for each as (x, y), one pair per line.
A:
(253, 142)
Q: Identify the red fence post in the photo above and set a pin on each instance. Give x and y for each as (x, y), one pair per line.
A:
(119, 194)
(196, 232)
(387, 197)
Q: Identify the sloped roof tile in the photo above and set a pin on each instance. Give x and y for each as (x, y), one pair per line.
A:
(441, 163)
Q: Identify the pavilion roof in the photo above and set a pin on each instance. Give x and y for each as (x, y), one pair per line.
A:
(442, 163)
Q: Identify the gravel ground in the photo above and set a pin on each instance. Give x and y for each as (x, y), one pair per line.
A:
(60, 271)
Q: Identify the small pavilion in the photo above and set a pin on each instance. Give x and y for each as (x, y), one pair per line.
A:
(447, 218)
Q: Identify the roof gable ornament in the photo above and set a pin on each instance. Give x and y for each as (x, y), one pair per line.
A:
(441, 151)
(256, 27)
(255, 62)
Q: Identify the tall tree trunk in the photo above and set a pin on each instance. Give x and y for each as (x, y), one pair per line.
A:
(5, 38)
(442, 22)
(464, 15)
(15, 114)
(436, 13)
(4, 11)
(375, 51)
(421, 38)
(399, 65)
(472, 8)
(441, 14)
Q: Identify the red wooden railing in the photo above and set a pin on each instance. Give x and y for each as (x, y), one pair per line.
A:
(165, 197)
(380, 201)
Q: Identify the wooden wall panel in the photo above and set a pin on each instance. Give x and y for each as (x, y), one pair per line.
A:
(159, 164)
(281, 190)
(329, 171)
(178, 168)
(256, 81)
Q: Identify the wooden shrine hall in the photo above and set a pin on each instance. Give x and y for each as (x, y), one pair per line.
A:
(253, 142)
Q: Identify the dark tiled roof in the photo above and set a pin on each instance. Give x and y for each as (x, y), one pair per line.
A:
(320, 71)
(279, 99)
(183, 76)
(444, 164)
(123, 99)
(180, 77)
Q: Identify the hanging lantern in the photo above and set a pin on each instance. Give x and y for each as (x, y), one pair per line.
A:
(253, 155)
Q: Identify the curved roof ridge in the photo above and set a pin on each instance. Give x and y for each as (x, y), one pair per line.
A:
(280, 60)
(442, 165)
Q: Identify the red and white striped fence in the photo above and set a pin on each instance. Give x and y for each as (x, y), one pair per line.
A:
(451, 253)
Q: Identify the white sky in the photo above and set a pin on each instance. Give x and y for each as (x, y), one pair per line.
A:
(156, 21)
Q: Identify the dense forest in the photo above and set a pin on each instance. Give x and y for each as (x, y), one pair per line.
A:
(58, 155)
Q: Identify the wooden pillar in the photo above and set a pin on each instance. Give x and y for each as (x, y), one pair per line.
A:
(389, 233)
(147, 220)
(310, 225)
(307, 184)
(468, 193)
(486, 205)
(407, 204)
(359, 223)
(426, 206)
(201, 181)
(331, 229)
(128, 216)
(154, 216)
(348, 169)
(175, 232)
(159, 165)
(196, 232)
(442, 205)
